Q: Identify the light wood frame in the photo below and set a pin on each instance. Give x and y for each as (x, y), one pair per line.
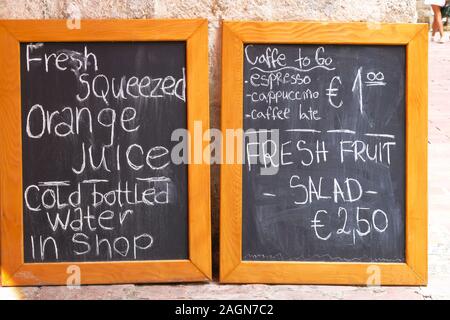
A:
(415, 38)
(14, 271)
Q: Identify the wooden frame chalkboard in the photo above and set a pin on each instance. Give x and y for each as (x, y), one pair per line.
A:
(14, 271)
(233, 269)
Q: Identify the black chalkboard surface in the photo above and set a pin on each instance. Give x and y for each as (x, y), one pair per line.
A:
(98, 182)
(328, 181)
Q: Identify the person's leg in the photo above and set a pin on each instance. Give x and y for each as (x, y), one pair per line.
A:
(434, 26)
(438, 19)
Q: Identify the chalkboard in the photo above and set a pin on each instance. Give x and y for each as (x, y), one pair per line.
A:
(98, 180)
(324, 153)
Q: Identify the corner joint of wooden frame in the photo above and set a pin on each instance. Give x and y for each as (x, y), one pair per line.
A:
(422, 31)
(4, 30)
(421, 277)
(202, 27)
(207, 273)
(226, 274)
(229, 27)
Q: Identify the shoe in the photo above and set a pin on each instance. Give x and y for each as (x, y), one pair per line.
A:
(442, 40)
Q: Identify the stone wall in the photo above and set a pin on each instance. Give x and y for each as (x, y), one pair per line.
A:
(215, 11)
(423, 11)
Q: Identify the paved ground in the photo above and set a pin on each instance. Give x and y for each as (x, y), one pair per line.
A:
(439, 233)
